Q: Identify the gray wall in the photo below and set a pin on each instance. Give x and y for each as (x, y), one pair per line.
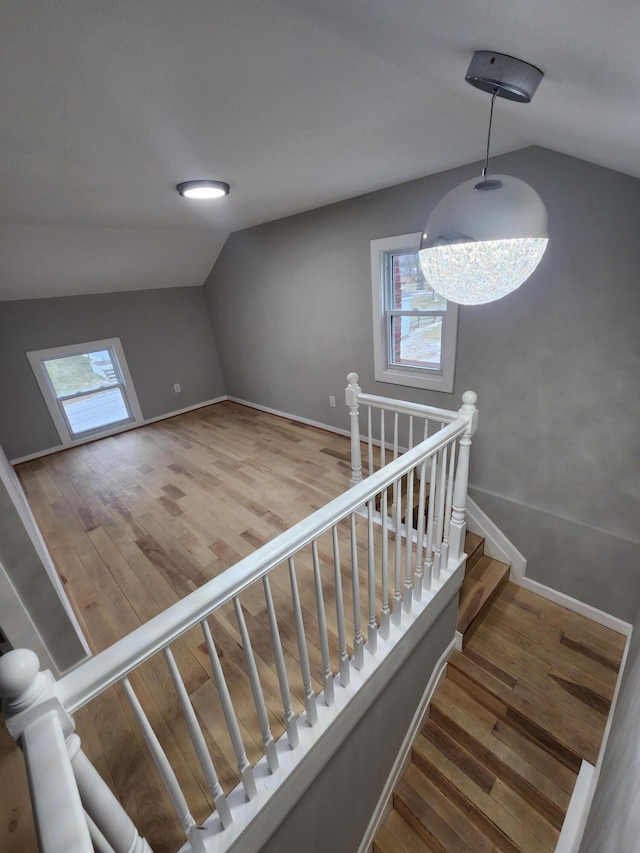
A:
(614, 819)
(555, 364)
(165, 333)
(333, 814)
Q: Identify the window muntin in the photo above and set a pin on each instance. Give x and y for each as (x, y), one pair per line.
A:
(414, 328)
(87, 388)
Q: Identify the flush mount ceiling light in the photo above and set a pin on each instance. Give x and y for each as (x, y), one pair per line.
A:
(203, 189)
(485, 238)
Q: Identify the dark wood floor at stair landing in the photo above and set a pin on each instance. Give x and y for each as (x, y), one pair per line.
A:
(495, 764)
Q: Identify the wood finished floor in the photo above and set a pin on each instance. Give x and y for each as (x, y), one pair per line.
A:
(137, 521)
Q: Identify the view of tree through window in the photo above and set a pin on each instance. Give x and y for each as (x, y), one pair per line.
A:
(417, 339)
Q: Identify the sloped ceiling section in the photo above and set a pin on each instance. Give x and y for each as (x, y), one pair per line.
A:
(296, 103)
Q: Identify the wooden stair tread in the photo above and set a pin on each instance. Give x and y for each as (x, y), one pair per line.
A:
(525, 750)
(438, 756)
(540, 792)
(523, 629)
(527, 708)
(438, 818)
(547, 661)
(569, 693)
(480, 588)
(396, 835)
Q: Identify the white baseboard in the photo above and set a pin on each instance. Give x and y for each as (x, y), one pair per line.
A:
(598, 616)
(289, 417)
(127, 428)
(404, 755)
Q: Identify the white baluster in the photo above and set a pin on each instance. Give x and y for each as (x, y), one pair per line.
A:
(327, 675)
(102, 808)
(419, 573)
(369, 441)
(342, 634)
(396, 495)
(199, 742)
(439, 522)
(383, 449)
(372, 625)
(100, 843)
(407, 596)
(244, 768)
(447, 507)
(256, 689)
(385, 613)
(351, 397)
(303, 654)
(428, 563)
(458, 525)
(358, 642)
(290, 719)
(36, 720)
(164, 767)
(397, 591)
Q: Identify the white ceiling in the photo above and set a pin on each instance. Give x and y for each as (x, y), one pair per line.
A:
(107, 104)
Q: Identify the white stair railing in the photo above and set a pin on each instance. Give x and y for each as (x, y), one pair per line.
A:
(393, 578)
(400, 425)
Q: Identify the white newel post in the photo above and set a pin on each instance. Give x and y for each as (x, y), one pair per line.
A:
(458, 526)
(351, 397)
(62, 781)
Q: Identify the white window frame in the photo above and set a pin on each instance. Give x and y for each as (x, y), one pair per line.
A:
(37, 359)
(385, 370)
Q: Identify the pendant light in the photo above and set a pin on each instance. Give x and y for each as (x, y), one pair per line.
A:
(486, 237)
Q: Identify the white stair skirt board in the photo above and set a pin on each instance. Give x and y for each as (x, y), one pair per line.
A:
(498, 547)
(404, 756)
(585, 787)
(496, 544)
(576, 816)
(278, 792)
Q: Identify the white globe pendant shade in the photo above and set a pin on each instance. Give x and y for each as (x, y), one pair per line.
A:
(484, 239)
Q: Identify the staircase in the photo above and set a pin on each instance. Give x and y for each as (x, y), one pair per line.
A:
(522, 705)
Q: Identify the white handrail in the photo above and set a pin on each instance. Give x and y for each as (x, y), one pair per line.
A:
(96, 674)
(405, 408)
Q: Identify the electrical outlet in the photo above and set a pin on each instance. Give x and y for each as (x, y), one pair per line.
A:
(177, 388)
(332, 401)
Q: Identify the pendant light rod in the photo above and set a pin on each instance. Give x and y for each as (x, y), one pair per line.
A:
(486, 162)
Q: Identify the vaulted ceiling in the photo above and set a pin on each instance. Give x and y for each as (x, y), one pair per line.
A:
(107, 104)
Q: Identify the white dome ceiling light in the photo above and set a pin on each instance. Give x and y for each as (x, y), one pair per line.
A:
(203, 190)
(485, 238)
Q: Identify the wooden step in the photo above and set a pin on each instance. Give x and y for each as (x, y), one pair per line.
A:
(473, 548)
(397, 835)
(539, 792)
(481, 587)
(435, 818)
(496, 811)
(525, 708)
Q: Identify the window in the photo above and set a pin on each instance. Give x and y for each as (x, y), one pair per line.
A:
(414, 329)
(87, 388)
